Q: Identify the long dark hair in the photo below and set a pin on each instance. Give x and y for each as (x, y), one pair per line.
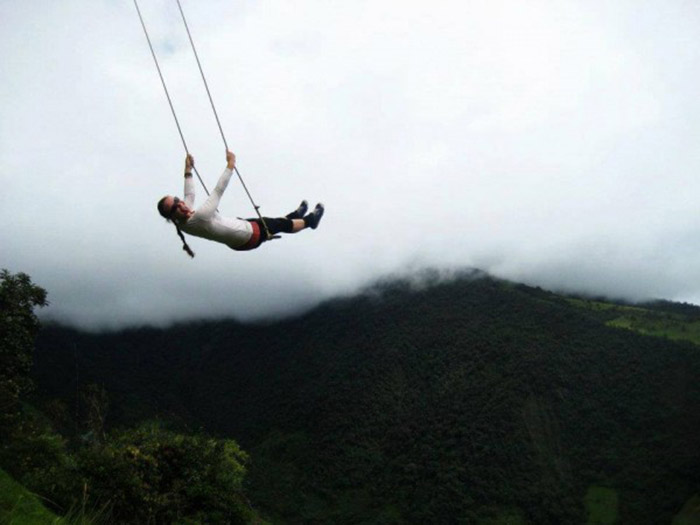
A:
(168, 217)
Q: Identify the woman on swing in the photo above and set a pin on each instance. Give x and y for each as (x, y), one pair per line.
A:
(238, 234)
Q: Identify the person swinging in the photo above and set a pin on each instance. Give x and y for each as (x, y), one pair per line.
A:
(238, 234)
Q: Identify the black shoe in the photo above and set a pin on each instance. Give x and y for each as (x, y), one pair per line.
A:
(313, 218)
(300, 211)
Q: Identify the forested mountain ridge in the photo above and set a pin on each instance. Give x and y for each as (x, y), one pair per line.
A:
(471, 400)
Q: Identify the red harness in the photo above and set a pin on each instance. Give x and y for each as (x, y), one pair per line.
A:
(254, 240)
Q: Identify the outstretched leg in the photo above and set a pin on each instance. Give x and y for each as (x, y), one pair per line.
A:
(300, 221)
(277, 225)
(300, 211)
(294, 222)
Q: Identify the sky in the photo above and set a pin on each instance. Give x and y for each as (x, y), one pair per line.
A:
(555, 143)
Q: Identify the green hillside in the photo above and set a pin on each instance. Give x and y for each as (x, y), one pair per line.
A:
(662, 319)
(468, 401)
(20, 507)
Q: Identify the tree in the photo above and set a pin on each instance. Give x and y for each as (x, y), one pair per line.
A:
(18, 329)
(153, 475)
(96, 402)
(29, 449)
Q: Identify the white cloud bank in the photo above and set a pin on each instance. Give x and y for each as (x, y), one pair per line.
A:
(554, 143)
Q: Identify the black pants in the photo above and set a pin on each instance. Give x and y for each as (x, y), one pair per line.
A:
(274, 226)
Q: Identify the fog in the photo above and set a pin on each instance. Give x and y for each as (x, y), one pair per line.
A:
(550, 143)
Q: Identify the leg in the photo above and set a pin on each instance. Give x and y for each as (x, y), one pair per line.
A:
(292, 223)
(278, 225)
(299, 212)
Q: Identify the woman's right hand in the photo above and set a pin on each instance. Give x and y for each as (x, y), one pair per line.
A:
(189, 163)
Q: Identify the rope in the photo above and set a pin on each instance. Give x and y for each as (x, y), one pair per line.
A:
(167, 94)
(218, 123)
(201, 72)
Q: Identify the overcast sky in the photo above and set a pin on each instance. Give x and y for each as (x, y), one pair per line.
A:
(555, 143)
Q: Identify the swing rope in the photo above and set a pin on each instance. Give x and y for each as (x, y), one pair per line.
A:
(201, 72)
(167, 94)
(218, 122)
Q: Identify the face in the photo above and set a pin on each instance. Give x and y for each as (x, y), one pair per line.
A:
(176, 208)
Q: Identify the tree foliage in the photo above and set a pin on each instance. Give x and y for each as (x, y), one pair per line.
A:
(152, 475)
(18, 329)
(140, 474)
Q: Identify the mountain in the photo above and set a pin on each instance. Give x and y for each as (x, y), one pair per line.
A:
(431, 400)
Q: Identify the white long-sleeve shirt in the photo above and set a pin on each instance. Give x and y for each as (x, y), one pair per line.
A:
(208, 223)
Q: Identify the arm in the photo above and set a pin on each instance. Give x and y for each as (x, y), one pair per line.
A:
(189, 183)
(226, 175)
(213, 201)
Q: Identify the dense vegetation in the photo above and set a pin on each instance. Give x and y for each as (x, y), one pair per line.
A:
(472, 401)
(20, 507)
(145, 473)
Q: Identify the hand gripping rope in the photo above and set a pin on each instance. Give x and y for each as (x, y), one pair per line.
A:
(211, 101)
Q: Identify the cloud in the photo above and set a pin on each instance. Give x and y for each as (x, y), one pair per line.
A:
(551, 143)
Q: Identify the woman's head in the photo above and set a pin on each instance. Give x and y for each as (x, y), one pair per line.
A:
(175, 210)
(172, 208)
(165, 206)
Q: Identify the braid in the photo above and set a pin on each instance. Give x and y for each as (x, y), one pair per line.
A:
(185, 246)
(168, 217)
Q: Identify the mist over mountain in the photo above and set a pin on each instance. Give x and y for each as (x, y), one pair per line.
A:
(439, 399)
